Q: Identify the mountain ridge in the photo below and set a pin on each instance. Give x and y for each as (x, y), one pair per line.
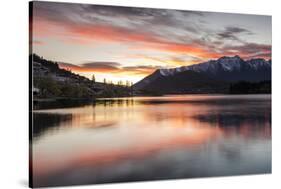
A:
(227, 63)
(223, 70)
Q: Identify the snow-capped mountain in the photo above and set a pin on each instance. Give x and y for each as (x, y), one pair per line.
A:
(227, 64)
(208, 75)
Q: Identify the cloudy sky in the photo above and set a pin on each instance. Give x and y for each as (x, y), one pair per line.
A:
(123, 43)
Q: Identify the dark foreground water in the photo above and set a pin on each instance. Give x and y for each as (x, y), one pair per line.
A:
(149, 138)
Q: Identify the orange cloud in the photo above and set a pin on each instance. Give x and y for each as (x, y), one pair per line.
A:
(82, 34)
(90, 33)
(110, 68)
(144, 40)
(92, 67)
(37, 42)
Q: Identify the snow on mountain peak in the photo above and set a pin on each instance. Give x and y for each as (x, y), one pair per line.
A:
(225, 63)
(230, 63)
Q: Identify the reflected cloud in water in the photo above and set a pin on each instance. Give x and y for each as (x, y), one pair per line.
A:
(147, 138)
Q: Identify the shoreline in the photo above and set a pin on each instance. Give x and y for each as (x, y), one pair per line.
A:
(98, 98)
(53, 103)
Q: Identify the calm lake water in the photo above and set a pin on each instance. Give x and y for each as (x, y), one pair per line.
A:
(149, 138)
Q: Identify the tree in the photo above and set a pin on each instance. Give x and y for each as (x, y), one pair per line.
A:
(93, 78)
(48, 86)
(104, 81)
(127, 83)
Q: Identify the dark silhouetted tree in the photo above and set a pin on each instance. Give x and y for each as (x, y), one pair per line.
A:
(93, 78)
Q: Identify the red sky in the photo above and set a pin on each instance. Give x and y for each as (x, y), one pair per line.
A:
(122, 43)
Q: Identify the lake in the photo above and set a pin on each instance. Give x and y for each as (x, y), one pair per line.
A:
(152, 138)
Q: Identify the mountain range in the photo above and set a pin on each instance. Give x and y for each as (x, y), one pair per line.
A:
(213, 76)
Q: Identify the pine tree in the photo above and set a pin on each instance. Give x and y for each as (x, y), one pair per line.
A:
(93, 78)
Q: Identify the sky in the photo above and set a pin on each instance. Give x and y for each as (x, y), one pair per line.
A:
(129, 43)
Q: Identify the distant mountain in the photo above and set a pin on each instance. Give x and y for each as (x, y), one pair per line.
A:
(213, 76)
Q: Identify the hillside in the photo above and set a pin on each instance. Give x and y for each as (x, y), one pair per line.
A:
(50, 81)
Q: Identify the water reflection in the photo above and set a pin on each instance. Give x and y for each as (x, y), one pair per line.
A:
(43, 122)
(147, 138)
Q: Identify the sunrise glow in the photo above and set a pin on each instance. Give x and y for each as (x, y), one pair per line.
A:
(122, 43)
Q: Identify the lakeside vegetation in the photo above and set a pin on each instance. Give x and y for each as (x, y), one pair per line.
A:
(50, 88)
(243, 87)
